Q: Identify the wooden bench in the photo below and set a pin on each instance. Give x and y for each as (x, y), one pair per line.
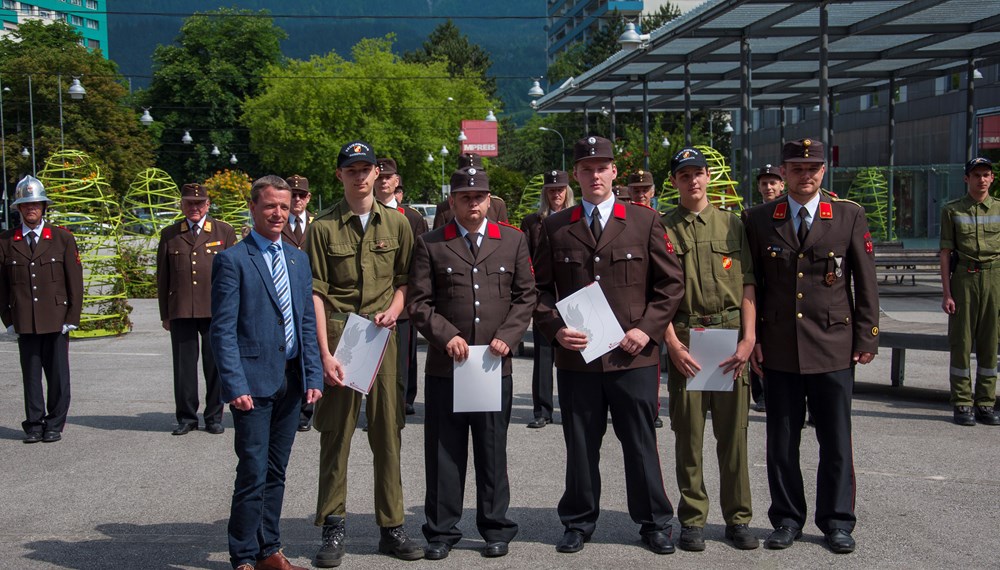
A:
(899, 342)
(895, 261)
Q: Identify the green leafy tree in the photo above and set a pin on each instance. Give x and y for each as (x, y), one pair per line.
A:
(464, 58)
(405, 110)
(200, 83)
(665, 13)
(102, 124)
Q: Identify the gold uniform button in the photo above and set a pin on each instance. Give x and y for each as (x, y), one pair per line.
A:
(773, 254)
(798, 315)
(194, 263)
(830, 254)
(798, 296)
(847, 319)
(194, 282)
(194, 273)
(801, 275)
(801, 255)
(194, 253)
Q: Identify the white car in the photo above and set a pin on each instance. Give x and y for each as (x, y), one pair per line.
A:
(428, 211)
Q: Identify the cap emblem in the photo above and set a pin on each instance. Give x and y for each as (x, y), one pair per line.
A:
(591, 140)
(472, 172)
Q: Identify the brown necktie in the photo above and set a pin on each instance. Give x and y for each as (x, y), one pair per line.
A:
(297, 230)
(32, 242)
(803, 226)
(473, 239)
(595, 224)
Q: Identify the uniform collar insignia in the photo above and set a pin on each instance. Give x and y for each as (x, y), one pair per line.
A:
(18, 236)
(619, 211)
(825, 211)
(46, 232)
(451, 231)
(208, 226)
(780, 211)
(577, 214)
(401, 210)
(492, 230)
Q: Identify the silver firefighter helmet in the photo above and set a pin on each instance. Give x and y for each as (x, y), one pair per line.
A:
(30, 189)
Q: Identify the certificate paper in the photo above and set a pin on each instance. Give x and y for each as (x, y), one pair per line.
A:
(709, 347)
(588, 311)
(360, 351)
(477, 381)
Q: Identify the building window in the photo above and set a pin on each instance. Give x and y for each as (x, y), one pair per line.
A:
(901, 94)
(76, 20)
(92, 24)
(91, 4)
(93, 44)
(76, 2)
(9, 5)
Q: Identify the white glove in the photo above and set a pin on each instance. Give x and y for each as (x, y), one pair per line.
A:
(10, 330)
(67, 328)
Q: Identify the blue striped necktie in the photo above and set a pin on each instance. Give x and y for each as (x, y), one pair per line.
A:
(284, 295)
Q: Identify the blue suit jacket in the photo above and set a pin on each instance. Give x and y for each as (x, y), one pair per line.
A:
(248, 336)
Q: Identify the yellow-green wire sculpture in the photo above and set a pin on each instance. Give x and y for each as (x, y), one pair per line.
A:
(530, 196)
(721, 187)
(871, 190)
(229, 191)
(83, 203)
(150, 205)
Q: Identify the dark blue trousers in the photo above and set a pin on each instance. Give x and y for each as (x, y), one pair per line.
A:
(263, 442)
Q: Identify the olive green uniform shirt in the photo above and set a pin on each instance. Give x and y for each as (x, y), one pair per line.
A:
(357, 271)
(972, 229)
(712, 248)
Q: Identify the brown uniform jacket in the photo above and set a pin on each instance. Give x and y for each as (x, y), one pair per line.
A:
(642, 280)
(531, 225)
(40, 291)
(444, 301)
(288, 236)
(496, 212)
(417, 222)
(808, 320)
(184, 268)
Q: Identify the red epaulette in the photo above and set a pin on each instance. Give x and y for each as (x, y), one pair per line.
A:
(510, 226)
(401, 210)
(492, 230)
(825, 211)
(619, 210)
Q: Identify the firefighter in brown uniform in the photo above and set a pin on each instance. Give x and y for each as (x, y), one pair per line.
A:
(359, 252)
(471, 283)
(808, 250)
(294, 234)
(497, 211)
(971, 294)
(718, 293)
(641, 188)
(556, 195)
(184, 288)
(41, 298)
(771, 185)
(623, 248)
(386, 192)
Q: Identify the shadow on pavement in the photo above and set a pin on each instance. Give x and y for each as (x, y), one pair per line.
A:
(148, 421)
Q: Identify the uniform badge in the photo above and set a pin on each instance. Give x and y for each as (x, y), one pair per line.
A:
(46, 233)
(825, 211)
(472, 172)
(780, 211)
(591, 140)
(727, 263)
(213, 244)
(380, 244)
(874, 331)
(670, 246)
(554, 174)
(208, 226)
(78, 262)
(830, 279)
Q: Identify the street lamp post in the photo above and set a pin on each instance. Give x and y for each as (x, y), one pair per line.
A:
(444, 187)
(3, 153)
(31, 113)
(562, 143)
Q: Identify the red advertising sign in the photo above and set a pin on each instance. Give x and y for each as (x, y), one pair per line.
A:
(482, 137)
(989, 132)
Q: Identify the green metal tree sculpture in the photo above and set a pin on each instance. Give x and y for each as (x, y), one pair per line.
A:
(721, 187)
(871, 190)
(149, 206)
(83, 203)
(529, 201)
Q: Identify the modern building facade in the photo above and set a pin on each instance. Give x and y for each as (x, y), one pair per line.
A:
(89, 17)
(572, 21)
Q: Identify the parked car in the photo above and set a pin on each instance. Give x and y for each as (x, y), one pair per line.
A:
(428, 211)
(79, 223)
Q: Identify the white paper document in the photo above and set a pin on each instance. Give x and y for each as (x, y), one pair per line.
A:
(709, 347)
(360, 351)
(588, 311)
(478, 381)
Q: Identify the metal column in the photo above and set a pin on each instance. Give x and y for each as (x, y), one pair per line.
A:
(781, 124)
(824, 85)
(970, 111)
(586, 121)
(892, 156)
(645, 123)
(687, 104)
(613, 125)
(745, 116)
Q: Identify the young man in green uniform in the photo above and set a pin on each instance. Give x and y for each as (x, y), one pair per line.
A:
(718, 293)
(360, 258)
(970, 226)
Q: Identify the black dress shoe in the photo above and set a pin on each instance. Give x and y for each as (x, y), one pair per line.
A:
(760, 406)
(840, 541)
(410, 410)
(539, 423)
(572, 541)
(692, 539)
(964, 417)
(659, 542)
(214, 429)
(495, 549)
(782, 537)
(741, 537)
(51, 436)
(305, 426)
(436, 551)
(33, 437)
(658, 422)
(986, 416)
(184, 429)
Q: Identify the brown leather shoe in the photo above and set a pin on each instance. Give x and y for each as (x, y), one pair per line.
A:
(277, 561)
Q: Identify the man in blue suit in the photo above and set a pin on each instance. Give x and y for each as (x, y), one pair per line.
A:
(263, 336)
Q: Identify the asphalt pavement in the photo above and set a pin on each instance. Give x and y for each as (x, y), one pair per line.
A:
(120, 492)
